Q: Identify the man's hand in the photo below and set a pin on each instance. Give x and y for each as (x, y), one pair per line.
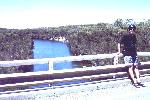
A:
(119, 54)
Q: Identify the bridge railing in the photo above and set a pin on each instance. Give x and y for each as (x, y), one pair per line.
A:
(51, 61)
(63, 75)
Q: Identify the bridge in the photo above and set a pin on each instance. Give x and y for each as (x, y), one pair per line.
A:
(22, 82)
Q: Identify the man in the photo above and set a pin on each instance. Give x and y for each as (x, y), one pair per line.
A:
(127, 47)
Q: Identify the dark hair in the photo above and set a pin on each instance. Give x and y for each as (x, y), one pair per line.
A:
(132, 26)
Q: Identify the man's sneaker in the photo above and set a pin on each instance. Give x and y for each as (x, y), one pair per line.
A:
(140, 84)
(136, 85)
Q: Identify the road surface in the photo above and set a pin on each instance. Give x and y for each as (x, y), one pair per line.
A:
(119, 89)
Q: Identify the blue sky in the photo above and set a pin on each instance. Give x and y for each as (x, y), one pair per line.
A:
(49, 13)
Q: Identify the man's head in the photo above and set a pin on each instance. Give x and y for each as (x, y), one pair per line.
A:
(131, 28)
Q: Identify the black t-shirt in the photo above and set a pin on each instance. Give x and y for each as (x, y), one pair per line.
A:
(129, 44)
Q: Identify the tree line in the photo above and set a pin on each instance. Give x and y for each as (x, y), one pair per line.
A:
(17, 44)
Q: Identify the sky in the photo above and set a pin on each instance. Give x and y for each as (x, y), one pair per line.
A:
(21, 14)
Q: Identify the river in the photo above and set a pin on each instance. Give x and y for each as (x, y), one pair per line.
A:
(51, 49)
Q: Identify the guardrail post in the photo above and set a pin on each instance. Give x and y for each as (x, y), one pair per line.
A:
(116, 60)
(50, 65)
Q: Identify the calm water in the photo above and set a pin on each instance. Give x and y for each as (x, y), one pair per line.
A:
(51, 49)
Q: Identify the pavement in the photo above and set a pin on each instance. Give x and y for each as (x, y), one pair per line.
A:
(114, 89)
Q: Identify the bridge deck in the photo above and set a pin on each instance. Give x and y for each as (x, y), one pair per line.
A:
(107, 85)
(119, 89)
